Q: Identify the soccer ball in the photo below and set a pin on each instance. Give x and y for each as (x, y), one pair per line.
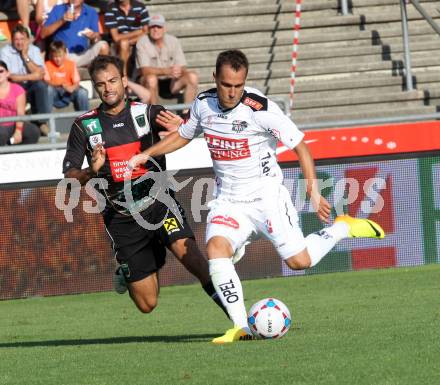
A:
(269, 318)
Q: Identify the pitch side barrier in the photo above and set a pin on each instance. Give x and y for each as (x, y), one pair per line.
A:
(54, 135)
(53, 240)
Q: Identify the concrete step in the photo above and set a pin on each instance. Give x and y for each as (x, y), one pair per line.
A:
(355, 97)
(348, 113)
(378, 107)
(423, 79)
(215, 10)
(238, 24)
(326, 83)
(388, 13)
(358, 4)
(266, 38)
(171, 6)
(282, 69)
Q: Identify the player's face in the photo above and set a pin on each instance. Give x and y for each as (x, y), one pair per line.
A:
(230, 85)
(110, 86)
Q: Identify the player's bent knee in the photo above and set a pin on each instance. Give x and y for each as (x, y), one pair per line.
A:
(299, 261)
(181, 247)
(146, 305)
(219, 247)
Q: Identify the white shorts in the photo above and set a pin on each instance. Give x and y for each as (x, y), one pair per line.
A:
(272, 216)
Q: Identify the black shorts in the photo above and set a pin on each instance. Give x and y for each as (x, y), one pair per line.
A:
(141, 249)
(165, 89)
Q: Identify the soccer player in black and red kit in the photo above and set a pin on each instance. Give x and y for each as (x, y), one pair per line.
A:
(108, 137)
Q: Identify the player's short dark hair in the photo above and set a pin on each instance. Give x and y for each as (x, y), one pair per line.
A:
(101, 62)
(233, 57)
(21, 29)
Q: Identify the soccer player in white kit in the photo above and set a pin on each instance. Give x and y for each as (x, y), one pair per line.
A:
(241, 128)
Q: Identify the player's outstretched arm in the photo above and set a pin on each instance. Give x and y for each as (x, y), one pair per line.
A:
(170, 143)
(307, 164)
(168, 120)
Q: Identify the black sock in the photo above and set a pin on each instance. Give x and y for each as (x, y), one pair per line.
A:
(210, 290)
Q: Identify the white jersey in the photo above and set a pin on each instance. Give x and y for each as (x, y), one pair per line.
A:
(242, 141)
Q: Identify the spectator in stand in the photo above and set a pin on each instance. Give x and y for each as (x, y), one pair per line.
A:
(76, 24)
(27, 68)
(127, 21)
(23, 9)
(63, 78)
(160, 58)
(44, 7)
(138, 91)
(42, 10)
(12, 103)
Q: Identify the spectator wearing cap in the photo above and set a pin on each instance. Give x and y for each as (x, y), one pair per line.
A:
(161, 61)
(127, 21)
(27, 69)
(12, 103)
(76, 24)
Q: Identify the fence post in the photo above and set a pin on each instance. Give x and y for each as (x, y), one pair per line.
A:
(53, 134)
(408, 74)
(344, 7)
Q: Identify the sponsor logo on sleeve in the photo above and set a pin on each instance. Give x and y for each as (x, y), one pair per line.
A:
(171, 225)
(227, 148)
(252, 103)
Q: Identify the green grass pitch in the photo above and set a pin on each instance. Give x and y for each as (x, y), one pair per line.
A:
(370, 327)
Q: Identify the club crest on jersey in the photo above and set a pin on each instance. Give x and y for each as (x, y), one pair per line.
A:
(92, 126)
(238, 126)
(95, 139)
(139, 116)
(140, 119)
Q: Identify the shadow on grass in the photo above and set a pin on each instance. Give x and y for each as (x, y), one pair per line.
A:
(109, 341)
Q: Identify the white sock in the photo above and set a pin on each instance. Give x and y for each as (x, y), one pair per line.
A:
(228, 287)
(321, 242)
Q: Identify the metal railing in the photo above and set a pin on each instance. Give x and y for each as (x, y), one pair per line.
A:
(54, 135)
(407, 53)
(307, 126)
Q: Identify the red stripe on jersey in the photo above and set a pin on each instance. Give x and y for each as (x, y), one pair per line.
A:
(119, 156)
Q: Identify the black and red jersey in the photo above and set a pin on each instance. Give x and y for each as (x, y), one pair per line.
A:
(124, 135)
